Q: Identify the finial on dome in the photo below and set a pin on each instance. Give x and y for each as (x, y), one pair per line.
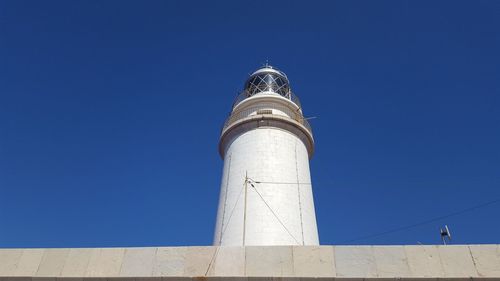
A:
(267, 65)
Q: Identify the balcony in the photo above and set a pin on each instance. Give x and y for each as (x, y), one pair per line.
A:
(282, 112)
(244, 95)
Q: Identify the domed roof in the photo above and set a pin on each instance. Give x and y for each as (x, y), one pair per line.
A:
(270, 69)
(267, 79)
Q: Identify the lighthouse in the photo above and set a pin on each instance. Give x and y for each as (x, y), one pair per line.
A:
(266, 193)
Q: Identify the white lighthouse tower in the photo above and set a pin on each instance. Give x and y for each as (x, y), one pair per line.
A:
(266, 193)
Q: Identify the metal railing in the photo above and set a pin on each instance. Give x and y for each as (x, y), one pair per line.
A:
(241, 114)
(244, 95)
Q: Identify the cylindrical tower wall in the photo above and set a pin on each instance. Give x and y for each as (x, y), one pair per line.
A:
(266, 193)
(277, 207)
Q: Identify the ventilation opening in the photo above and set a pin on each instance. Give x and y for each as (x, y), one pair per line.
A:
(265, 111)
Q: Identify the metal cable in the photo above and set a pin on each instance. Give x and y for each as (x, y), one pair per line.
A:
(270, 209)
(224, 231)
(225, 198)
(232, 212)
(425, 222)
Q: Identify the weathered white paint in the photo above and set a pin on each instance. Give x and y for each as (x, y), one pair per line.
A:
(280, 209)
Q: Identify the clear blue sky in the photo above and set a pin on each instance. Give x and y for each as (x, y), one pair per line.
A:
(110, 113)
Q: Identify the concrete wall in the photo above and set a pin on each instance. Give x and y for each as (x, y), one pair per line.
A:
(456, 262)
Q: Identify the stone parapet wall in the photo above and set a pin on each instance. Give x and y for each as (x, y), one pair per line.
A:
(452, 262)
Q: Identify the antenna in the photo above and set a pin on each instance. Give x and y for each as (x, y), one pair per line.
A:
(309, 118)
(445, 234)
(266, 64)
